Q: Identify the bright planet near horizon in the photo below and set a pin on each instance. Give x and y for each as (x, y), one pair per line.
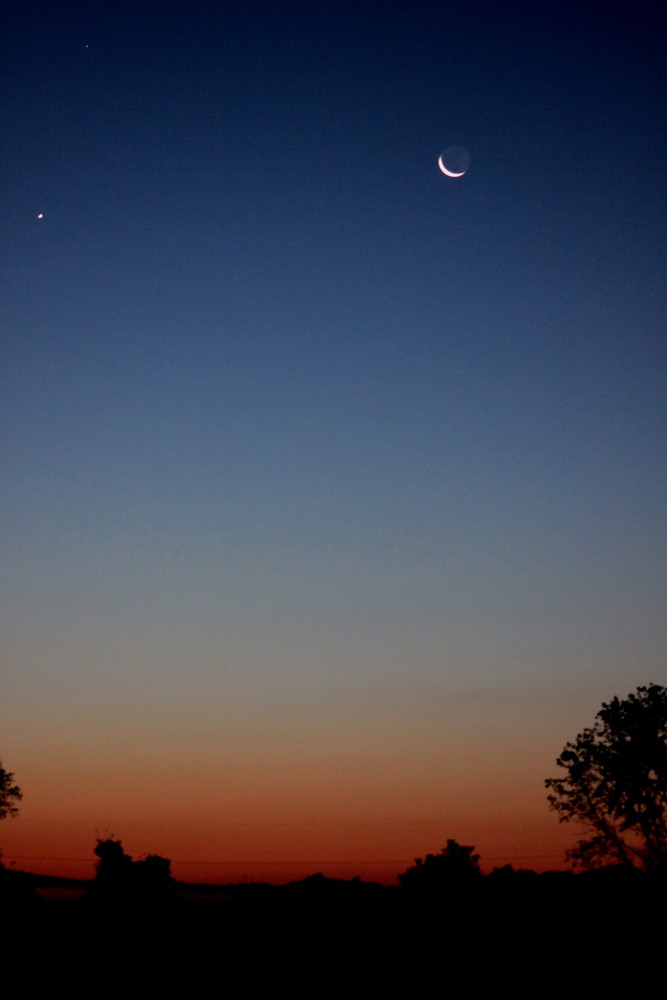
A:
(454, 161)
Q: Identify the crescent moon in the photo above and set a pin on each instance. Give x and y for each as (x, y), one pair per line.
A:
(449, 173)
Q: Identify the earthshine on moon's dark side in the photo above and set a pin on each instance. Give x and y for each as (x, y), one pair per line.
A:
(454, 161)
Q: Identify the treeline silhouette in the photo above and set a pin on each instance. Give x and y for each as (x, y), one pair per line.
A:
(445, 925)
(444, 913)
(453, 875)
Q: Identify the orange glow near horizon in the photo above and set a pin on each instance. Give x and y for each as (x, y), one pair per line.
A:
(283, 851)
(277, 791)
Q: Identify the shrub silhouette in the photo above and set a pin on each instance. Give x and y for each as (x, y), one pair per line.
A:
(119, 879)
(455, 866)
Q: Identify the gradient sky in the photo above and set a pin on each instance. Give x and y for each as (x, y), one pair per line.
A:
(333, 488)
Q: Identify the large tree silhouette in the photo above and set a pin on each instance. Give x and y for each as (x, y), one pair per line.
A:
(615, 784)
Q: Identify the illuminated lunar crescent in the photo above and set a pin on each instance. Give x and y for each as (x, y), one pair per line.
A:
(454, 161)
(444, 169)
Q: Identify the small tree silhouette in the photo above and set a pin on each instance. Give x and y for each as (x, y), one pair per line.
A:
(10, 794)
(119, 879)
(454, 867)
(153, 879)
(16, 888)
(113, 872)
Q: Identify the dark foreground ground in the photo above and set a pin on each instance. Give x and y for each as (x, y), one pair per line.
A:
(559, 933)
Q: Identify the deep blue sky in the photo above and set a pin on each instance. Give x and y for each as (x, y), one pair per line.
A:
(287, 411)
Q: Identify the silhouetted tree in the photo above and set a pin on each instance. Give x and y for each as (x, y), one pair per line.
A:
(153, 879)
(616, 783)
(113, 872)
(453, 867)
(10, 794)
(16, 888)
(119, 879)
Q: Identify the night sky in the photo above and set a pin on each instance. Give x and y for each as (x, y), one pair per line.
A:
(333, 488)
